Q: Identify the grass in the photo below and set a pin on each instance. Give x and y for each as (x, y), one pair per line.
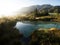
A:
(45, 37)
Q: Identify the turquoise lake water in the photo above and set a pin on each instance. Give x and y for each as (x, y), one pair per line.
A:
(26, 28)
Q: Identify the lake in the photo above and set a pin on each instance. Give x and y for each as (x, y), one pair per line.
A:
(27, 27)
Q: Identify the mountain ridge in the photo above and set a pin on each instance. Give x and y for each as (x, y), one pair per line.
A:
(45, 7)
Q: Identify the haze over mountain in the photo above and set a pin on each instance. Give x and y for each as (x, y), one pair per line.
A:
(46, 7)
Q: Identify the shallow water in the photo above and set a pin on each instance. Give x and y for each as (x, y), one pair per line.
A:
(26, 28)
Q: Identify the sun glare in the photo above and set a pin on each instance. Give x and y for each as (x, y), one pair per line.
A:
(9, 7)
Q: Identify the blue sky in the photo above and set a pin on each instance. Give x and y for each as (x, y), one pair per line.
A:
(52, 2)
(40, 2)
(8, 7)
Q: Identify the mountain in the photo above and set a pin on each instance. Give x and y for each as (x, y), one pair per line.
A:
(29, 9)
(40, 8)
(46, 7)
(55, 9)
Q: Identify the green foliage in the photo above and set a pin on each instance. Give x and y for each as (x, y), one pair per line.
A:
(55, 9)
(44, 38)
(44, 13)
(8, 34)
(38, 13)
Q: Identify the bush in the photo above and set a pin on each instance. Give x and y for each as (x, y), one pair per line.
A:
(8, 34)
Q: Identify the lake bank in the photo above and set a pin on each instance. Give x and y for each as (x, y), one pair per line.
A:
(27, 27)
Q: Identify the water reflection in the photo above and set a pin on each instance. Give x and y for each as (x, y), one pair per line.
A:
(25, 28)
(28, 27)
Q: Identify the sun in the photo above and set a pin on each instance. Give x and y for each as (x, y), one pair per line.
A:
(9, 7)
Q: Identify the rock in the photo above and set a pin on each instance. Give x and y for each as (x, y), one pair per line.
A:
(53, 29)
(41, 29)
